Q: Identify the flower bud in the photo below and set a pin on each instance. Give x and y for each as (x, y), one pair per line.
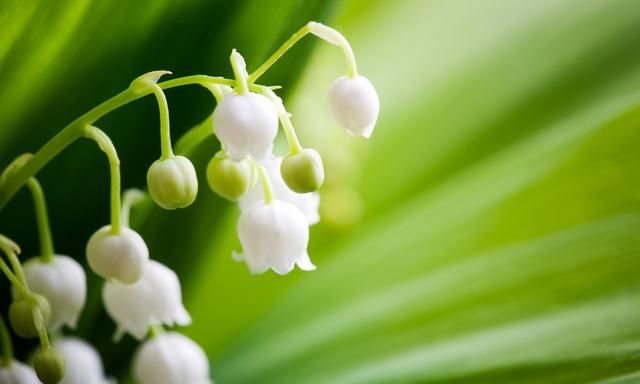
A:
(154, 299)
(246, 124)
(171, 358)
(307, 203)
(173, 182)
(274, 236)
(18, 373)
(63, 283)
(49, 366)
(303, 171)
(228, 178)
(21, 315)
(82, 363)
(354, 105)
(121, 256)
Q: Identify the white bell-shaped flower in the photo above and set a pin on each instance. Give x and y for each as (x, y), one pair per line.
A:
(63, 283)
(307, 203)
(354, 105)
(154, 299)
(274, 236)
(171, 358)
(18, 373)
(83, 364)
(120, 256)
(246, 124)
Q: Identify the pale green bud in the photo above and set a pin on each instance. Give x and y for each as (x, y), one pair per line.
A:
(303, 171)
(173, 182)
(228, 178)
(21, 316)
(49, 366)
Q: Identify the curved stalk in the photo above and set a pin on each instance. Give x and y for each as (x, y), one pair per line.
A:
(76, 129)
(105, 144)
(42, 219)
(327, 34)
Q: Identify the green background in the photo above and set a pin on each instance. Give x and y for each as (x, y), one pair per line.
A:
(488, 232)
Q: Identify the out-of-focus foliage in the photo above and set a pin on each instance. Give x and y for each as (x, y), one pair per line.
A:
(488, 232)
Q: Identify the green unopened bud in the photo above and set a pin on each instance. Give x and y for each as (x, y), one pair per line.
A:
(49, 366)
(21, 315)
(228, 178)
(303, 171)
(173, 182)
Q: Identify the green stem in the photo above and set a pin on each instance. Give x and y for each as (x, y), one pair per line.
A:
(165, 131)
(76, 129)
(7, 346)
(285, 120)
(42, 218)
(265, 183)
(327, 34)
(130, 198)
(240, 72)
(105, 144)
(41, 328)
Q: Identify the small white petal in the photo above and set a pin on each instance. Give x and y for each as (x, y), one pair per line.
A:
(121, 257)
(354, 105)
(246, 125)
(83, 365)
(63, 283)
(308, 203)
(274, 236)
(154, 299)
(171, 358)
(305, 263)
(18, 373)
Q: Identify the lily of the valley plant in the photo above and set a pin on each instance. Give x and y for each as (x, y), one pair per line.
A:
(277, 197)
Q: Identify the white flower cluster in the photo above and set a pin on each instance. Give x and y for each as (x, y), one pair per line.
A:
(137, 305)
(276, 213)
(278, 200)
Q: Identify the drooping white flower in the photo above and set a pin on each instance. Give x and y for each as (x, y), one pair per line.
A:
(120, 256)
(171, 358)
(246, 124)
(18, 373)
(154, 299)
(354, 104)
(63, 283)
(82, 361)
(274, 236)
(307, 203)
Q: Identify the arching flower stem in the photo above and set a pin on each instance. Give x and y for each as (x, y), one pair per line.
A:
(42, 218)
(285, 120)
(105, 144)
(265, 183)
(327, 34)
